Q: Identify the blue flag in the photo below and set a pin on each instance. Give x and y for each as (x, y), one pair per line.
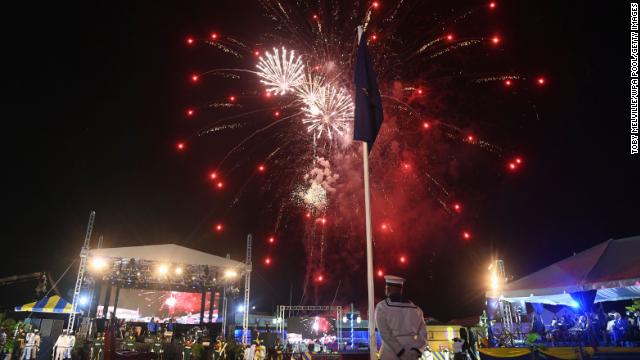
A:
(368, 107)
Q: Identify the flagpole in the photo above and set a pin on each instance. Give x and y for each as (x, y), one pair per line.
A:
(367, 207)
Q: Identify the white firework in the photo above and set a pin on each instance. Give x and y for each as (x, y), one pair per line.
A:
(328, 111)
(281, 72)
(310, 90)
(321, 182)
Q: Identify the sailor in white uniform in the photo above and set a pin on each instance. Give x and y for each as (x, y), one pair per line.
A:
(60, 345)
(28, 346)
(400, 323)
(36, 344)
(70, 343)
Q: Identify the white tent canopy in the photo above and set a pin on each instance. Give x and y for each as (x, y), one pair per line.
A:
(169, 253)
(612, 268)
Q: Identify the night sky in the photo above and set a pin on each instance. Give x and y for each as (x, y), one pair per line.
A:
(93, 104)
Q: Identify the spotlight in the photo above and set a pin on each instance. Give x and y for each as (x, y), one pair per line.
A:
(163, 269)
(230, 274)
(178, 270)
(171, 302)
(494, 281)
(98, 264)
(240, 308)
(84, 300)
(574, 304)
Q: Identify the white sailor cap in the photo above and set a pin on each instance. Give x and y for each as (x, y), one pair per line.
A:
(394, 280)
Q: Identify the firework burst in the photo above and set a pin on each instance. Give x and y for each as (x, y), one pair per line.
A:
(328, 112)
(416, 162)
(280, 71)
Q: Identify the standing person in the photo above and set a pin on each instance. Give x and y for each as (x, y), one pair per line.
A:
(473, 344)
(246, 352)
(151, 327)
(71, 343)
(28, 345)
(458, 349)
(400, 323)
(36, 344)
(261, 351)
(251, 353)
(60, 345)
(3, 342)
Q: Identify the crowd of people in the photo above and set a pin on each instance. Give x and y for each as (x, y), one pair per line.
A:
(599, 329)
(612, 329)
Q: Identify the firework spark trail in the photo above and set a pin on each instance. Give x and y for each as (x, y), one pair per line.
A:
(225, 75)
(203, 130)
(498, 78)
(222, 71)
(427, 46)
(395, 11)
(455, 46)
(442, 188)
(224, 48)
(238, 43)
(254, 134)
(224, 105)
(489, 147)
(223, 127)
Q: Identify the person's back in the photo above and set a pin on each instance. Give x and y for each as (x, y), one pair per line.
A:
(400, 323)
(458, 349)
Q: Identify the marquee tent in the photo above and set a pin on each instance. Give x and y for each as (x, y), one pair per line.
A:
(54, 304)
(611, 269)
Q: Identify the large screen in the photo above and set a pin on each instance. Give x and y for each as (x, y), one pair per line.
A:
(311, 327)
(142, 305)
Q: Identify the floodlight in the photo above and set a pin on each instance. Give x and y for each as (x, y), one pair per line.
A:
(163, 269)
(494, 281)
(230, 273)
(97, 264)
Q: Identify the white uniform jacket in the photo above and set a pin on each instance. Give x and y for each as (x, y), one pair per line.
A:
(401, 326)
